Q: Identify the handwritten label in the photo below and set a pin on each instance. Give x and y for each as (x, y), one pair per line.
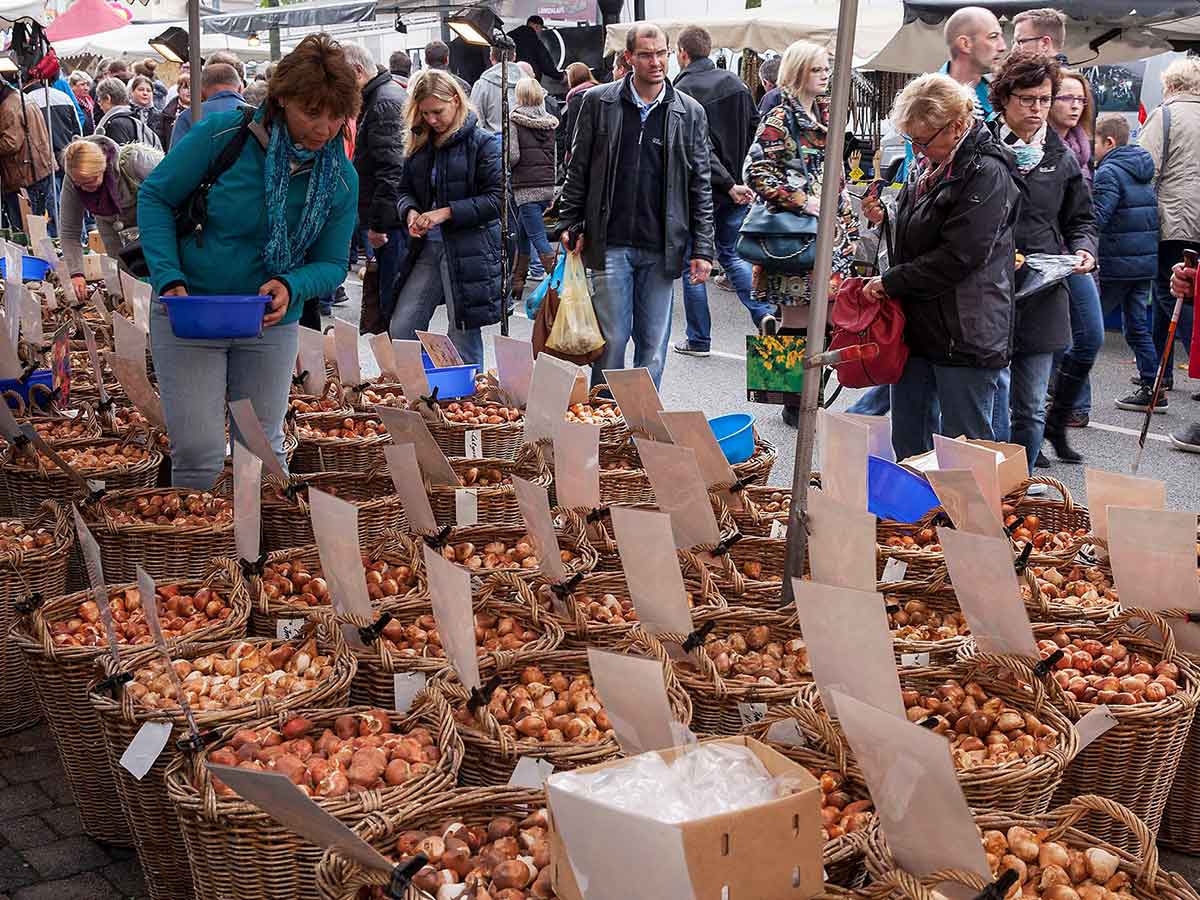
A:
(440, 348)
(473, 443)
(145, 748)
(466, 506)
(914, 660)
(786, 732)
(751, 713)
(405, 687)
(531, 773)
(289, 629)
(894, 570)
(778, 529)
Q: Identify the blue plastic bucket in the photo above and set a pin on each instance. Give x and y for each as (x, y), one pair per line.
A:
(216, 318)
(33, 268)
(43, 377)
(893, 492)
(735, 436)
(452, 382)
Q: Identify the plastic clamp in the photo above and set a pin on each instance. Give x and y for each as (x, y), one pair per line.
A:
(1046, 666)
(596, 514)
(696, 638)
(564, 588)
(113, 683)
(723, 548)
(483, 696)
(299, 379)
(194, 743)
(1000, 887)
(1022, 561)
(431, 399)
(403, 875)
(251, 568)
(369, 634)
(29, 604)
(438, 541)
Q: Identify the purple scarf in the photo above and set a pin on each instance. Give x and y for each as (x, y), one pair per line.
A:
(104, 202)
(1078, 143)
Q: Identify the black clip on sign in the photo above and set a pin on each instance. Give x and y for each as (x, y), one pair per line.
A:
(1023, 560)
(292, 490)
(738, 486)
(1010, 530)
(369, 634)
(941, 520)
(403, 875)
(1042, 669)
(565, 588)
(481, 697)
(597, 514)
(29, 604)
(431, 399)
(254, 567)
(723, 548)
(298, 380)
(892, 608)
(114, 683)
(930, 723)
(999, 888)
(438, 541)
(1193, 617)
(696, 638)
(194, 743)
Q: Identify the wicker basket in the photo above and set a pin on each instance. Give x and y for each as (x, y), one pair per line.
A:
(498, 441)
(1042, 608)
(601, 535)
(327, 403)
(757, 469)
(167, 552)
(940, 652)
(489, 755)
(824, 749)
(623, 481)
(28, 486)
(755, 518)
(569, 528)
(339, 878)
(327, 454)
(1134, 762)
(26, 575)
(151, 816)
(266, 613)
(52, 427)
(288, 523)
(497, 503)
(751, 572)
(722, 706)
(374, 682)
(1066, 824)
(237, 850)
(62, 675)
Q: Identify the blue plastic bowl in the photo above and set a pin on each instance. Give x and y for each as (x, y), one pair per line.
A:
(452, 382)
(735, 436)
(33, 268)
(893, 492)
(218, 318)
(43, 377)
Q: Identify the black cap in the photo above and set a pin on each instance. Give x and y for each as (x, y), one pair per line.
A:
(535, 20)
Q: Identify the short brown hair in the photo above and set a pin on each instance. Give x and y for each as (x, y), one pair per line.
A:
(1113, 125)
(217, 74)
(695, 42)
(578, 73)
(1046, 22)
(230, 58)
(642, 30)
(316, 75)
(1024, 69)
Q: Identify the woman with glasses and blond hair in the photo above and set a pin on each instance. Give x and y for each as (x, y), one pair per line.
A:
(1057, 218)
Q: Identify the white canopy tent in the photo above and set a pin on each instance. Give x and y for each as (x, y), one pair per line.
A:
(134, 40)
(11, 10)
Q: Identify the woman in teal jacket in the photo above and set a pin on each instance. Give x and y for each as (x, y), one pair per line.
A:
(279, 224)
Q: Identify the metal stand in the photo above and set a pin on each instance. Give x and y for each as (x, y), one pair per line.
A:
(50, 135)
(194, 64)
(504, 43)
(831, 188)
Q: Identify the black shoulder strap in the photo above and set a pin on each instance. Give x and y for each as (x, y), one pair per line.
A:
(230, 152)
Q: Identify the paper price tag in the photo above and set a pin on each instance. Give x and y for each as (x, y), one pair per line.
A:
(39, 231)
(440, 348)
(634, 391)
(778, 529)
(94, 356)
(311, 359)
(514, 367)
(894, 570)
(247, 501)
(250, 430)
(914, 660)
(1093, 725)
(13, 262)
(534, 504)
(95, 572)
(577, 465)
(95, 484)
(405, 687)
(752, 712)
(1105, 489)
(786, 732)
(691, 429)
(549, 396)
(406, 479)
(450, 594)
(381, 346)
(680, 491)
(466, 506)
(345, 340)
(634, 692)
(139, 757)
(408, 427)
(31, 316)
(844, 445)
(531, 773)
(473, 444)
(150, 606)
(651, 567)
(841, 542)
(289, 629)
(112, 277)
(335, 527)
(410, 372)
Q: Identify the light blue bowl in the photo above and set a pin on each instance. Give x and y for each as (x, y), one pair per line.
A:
(893, 492)
(198, 317)
(735, 436)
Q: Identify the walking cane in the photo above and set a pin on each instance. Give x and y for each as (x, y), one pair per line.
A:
(1189, 260)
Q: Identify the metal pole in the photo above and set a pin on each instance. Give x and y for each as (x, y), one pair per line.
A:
(50, 137)
(195, 66)
(505, 137)
(273, 36)
(831, 187)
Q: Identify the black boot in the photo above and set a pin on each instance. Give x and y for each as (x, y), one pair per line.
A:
(1071, 379)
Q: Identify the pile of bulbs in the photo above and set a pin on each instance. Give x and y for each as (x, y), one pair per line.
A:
(1052, 870)
(468, 412)
(593, 415)
(16, 535)
(62, 430)
(1094, 672)
(174, 508)
(91, 458)
(498, 554)
(360, 753)
(841, 814)
(302, 406)
(1027, 529)
(421, 638)
(357, 429)
(916, 621)
(179, 612)
(553, 708)
(474, 476)
(1084, 587)
(752, 656)
(921, 539)
(298, 582)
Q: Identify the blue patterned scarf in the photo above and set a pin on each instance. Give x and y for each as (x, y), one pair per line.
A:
(285, 251)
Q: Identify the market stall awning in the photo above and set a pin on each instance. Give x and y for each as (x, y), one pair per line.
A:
(302, 15)
(84, 18)
(764, 30)
(11, 10)
(134, 41)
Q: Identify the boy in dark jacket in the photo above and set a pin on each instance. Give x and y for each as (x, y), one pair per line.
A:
(1127, 225)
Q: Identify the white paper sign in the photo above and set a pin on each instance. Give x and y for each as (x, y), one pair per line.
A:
(691, 429)
(841, 542)
(680, 491)
(849, 645)
(145, 748)
(112, 277)
(450, 592)
(13, 262)
(958, 491)
(149, 596)
(131, 373)
(312, 359)
(31, 316)
(634, 391)
(894, 570)
(1105, 489)
(514, 368)
(634, 693)
(408, 427)
(381, 346)
(917, 796)
(531, 773)
(405, 687)
(95, 572)
(250, 430)
(129, 340)
(335, 527)
(46, 251)
(577, 465)
(10, 362)
(1099, 720)
(985, 581)
(441, 350)
(38, 230)
(410, 373)
(406, 478)
(137, 294)
(880, 428)
(466, 507)
(289, 629)
(549, 396)
(473, 443)
(247, 502)
(651, 567)
(983, 461)
(345, 341)
(534, 503)
(914, 660)
(844, 445)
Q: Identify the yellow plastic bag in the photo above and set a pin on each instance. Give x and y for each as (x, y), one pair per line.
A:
(576, 331)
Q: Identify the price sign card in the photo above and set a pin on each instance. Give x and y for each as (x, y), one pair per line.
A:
(958, 490)
(691, 429)
(634, 391)
(577, 465)
(345, 341)
(1105, 489)
(408, 427)
(247, 502)
(97, 372)
(249, 430)
(311, 360)
(535, 510)
(440, 349)
(335, 526)
(514, 368)
(982, 461)
(450, 592)
(549, 397)
(10, 362)
(13, 263)
(410, 373)
(132, 375)
(381, 346)
(985, 581)
(31, 316)
(680, 492)
(137, 294)
(844, 445)
(880, 427)
(129, 340)
(651, 567)
(635, 695)
(841, 543)
(410, 486)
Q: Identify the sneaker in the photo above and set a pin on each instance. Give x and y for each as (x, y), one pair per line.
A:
(1077, 419)
(1188, 439)
(1139, 401)
(340, 298)
(1196, 396)
(688, 349)
(1041, 462)
(791, 416)
(1136, 381)
(722, 281)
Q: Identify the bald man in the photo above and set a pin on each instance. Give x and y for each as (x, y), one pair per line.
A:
(975, 43)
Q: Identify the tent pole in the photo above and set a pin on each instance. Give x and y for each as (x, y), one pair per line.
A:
(195, 65)
(831, 187)
(53, 199)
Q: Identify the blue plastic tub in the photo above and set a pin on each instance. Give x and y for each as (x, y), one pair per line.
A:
(735, 436)
(452, 382)
(43, 377)
(218, 318)
(33, 268)
(893, 492)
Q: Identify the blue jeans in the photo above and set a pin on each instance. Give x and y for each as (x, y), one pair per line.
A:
(426, 288)
(1030, 376)
(197, 377)
(531, 229)
(874, 401)
(726, 223)
(633, 297)
(963, 395)
(1087, 331)
(1169, 253)
(388, 258)
(1134, 299)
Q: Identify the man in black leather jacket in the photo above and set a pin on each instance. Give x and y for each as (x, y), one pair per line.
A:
(637, 196)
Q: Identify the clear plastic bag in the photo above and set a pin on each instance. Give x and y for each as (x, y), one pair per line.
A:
(1045, 270)
(576, 331)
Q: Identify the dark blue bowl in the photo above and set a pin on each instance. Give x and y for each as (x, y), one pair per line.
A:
(893, 492)
(33, 268)
(216, 318)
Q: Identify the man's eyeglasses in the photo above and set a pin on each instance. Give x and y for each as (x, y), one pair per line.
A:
(651, 55)
(1071, 99)
(1029, 101)
(924, 145)
(1025, 40)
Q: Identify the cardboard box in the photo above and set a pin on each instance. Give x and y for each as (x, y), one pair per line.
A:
(92, 270)
(767, 851)
(1012, 467)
